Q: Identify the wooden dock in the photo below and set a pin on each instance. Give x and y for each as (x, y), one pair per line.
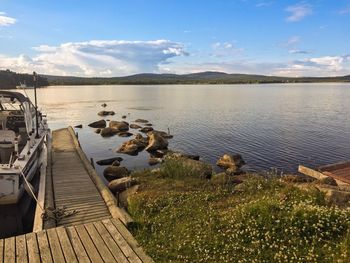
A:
(93, 227)
(101, 241)
(73, 188)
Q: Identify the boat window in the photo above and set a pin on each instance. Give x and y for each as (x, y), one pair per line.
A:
(10, 104)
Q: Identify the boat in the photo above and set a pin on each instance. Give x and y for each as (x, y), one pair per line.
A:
(23, 135)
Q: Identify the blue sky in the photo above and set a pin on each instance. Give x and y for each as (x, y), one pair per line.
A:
(114, 38)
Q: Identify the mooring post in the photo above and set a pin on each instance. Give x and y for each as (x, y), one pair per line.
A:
(92, 162)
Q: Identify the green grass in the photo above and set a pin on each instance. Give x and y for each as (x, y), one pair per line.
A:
(182, 218)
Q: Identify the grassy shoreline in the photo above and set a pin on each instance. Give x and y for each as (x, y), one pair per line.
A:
(251, 218)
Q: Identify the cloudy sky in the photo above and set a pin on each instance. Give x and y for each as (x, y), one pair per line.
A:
(116, 38)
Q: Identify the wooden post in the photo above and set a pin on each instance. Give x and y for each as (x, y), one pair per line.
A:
(92, 162)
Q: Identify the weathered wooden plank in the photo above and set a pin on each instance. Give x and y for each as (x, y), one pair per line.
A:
(89, 220)
(311, 172)
(131, 241)
(1, 250)
(10, 250)
(77, 245)
(21, 249)
(32, 247)
(44, 248)
(56, 250)
(88, 244)
(66, 245)
(111, 244)
(124, 246)
(99, 243)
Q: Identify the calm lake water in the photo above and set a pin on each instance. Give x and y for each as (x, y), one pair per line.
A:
(271, 125)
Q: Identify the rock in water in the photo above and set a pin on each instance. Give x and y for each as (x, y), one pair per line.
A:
(120, 185)
(132, 147)
(105, 113)
(146, 129)
(104, 105)
(141, 121)
(108, 132)
(161, 133)
(98, 130)
(156, 142)
(98, 124)
(149, 124)
(135, 126)
(115, 172)
(109, 161)
(125, 134)
(124, 117)
(230, 161)
(79, 126)
(154, 161)
(119, 125)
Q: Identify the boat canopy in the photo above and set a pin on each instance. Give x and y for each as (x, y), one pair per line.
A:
(17, 101)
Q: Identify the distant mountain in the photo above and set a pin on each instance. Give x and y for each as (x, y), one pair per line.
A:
(10, 79)
(209, 77)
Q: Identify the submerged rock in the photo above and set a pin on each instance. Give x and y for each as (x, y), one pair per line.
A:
(115, 172)
(124, 117)
(108, 132)
(146, 129)
(161, 133)
(104, 105)
(141, 121)
(105, 113)
(135, 126)
(98, 124)
(109, 161)
(119, 125)
(125, 134)
(149, 124)
(78, 126)
(98, 130)
(120, 185)
(230, 161)
(156, 142)
(116, 163)
(154, 161)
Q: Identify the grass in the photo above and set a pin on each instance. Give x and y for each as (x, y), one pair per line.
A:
(183, 218)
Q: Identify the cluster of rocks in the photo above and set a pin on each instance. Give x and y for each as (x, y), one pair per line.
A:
(156, 143)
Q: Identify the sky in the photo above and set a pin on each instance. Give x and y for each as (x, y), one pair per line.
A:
(117, 38)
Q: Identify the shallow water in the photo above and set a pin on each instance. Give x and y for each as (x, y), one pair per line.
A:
(271, 125)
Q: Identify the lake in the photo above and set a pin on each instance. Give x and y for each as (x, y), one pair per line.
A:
(271, 125)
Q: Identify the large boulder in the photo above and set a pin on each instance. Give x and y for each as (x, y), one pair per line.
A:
(230, 161)
(105, 113)
(108, 132)
(135, 126)
(132, 147)
(125, 196)
(223, 179)
(115, 172)
(119, 125)
(156, 142)
(141, 121)
(98, 124)
(109, 161)
(120, 185)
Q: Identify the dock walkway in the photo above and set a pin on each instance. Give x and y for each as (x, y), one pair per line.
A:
(73, 188)
(101, 241)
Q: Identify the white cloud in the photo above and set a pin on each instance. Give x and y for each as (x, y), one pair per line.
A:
(6, 20)
(298, 12)
(298, 51)
(314, 67)
(291, 42)
(97, 58)
(225, 49)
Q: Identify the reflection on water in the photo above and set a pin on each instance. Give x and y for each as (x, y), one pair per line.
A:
(278, 125)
